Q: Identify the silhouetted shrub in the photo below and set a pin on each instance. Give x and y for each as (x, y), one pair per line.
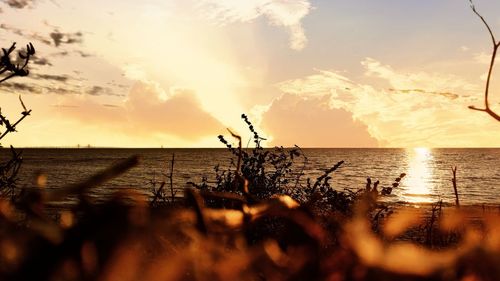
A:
(10, 68)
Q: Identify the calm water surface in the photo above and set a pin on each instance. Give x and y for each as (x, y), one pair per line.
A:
(428, 170)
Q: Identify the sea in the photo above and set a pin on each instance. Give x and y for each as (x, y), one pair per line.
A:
(428, 171)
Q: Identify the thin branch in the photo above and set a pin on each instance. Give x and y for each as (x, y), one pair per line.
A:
(454, 181)
(496, 45)
(484, 21)
(238, 165)
(172, 193)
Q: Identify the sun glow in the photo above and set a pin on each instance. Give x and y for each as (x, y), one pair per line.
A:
(419, 174)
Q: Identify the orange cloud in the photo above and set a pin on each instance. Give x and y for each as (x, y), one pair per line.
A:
(144, 112)
(312, 123)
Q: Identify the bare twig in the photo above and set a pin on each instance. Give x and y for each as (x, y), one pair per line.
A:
(171, 177)
(238, 165)
(95, 180)
(303, 166)
(454, 181)
(12, 127)
(496, 45)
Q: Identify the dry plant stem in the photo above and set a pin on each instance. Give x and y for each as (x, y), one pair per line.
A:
(238, 177)
(95, 180)
(171, 177)
(12, 128)
(496, 45)
(454, 181)
(303, 166)
(238, 165)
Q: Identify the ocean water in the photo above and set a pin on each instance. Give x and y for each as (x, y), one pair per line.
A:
(428, 170)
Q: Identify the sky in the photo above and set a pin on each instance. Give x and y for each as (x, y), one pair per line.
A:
(325, 73)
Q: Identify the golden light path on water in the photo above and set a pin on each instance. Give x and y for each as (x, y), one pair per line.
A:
(420, 172)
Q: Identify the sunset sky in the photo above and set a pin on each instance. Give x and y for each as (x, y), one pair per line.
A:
(325, 73)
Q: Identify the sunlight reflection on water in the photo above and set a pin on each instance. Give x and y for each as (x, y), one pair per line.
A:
(420, 173)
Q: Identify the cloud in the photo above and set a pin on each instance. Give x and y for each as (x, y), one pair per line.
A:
(24, 87)
(288, 14)
(421, 91)
(145, 112)
(41, 61)
(18, 4)
(311, 122)
(55, 37)
(427, 109)
(56, 84)
(60, 38)
(57, 78)
(96, 91)
(482, 58)
(430, 82)
(12, 29)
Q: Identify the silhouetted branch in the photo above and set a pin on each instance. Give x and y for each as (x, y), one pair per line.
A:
(95, 180)
(12, 127)
(170, 177)
(496, 45)
(8, 69)
(14, 69)
(454, 181)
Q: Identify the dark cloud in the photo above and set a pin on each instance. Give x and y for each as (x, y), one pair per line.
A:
(58, 78)
(12, 29)
(60, 54)
(56, 84)
(60, 38)
(24, 87)
(56, 37)
(312, 123)
(83, 54)
(40, 38)
(41, 61)
(102, 91)
(18, 4)
(60, 91)
(95, 91)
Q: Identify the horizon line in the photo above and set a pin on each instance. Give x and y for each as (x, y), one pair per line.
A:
(269, 147)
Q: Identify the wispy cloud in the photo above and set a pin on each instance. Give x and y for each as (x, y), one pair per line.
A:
(430, 82)
(59, 85)
(288, 14)
(421, 91)
(482, 58)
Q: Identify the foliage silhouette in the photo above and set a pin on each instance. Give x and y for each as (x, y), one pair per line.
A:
(10, 69)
